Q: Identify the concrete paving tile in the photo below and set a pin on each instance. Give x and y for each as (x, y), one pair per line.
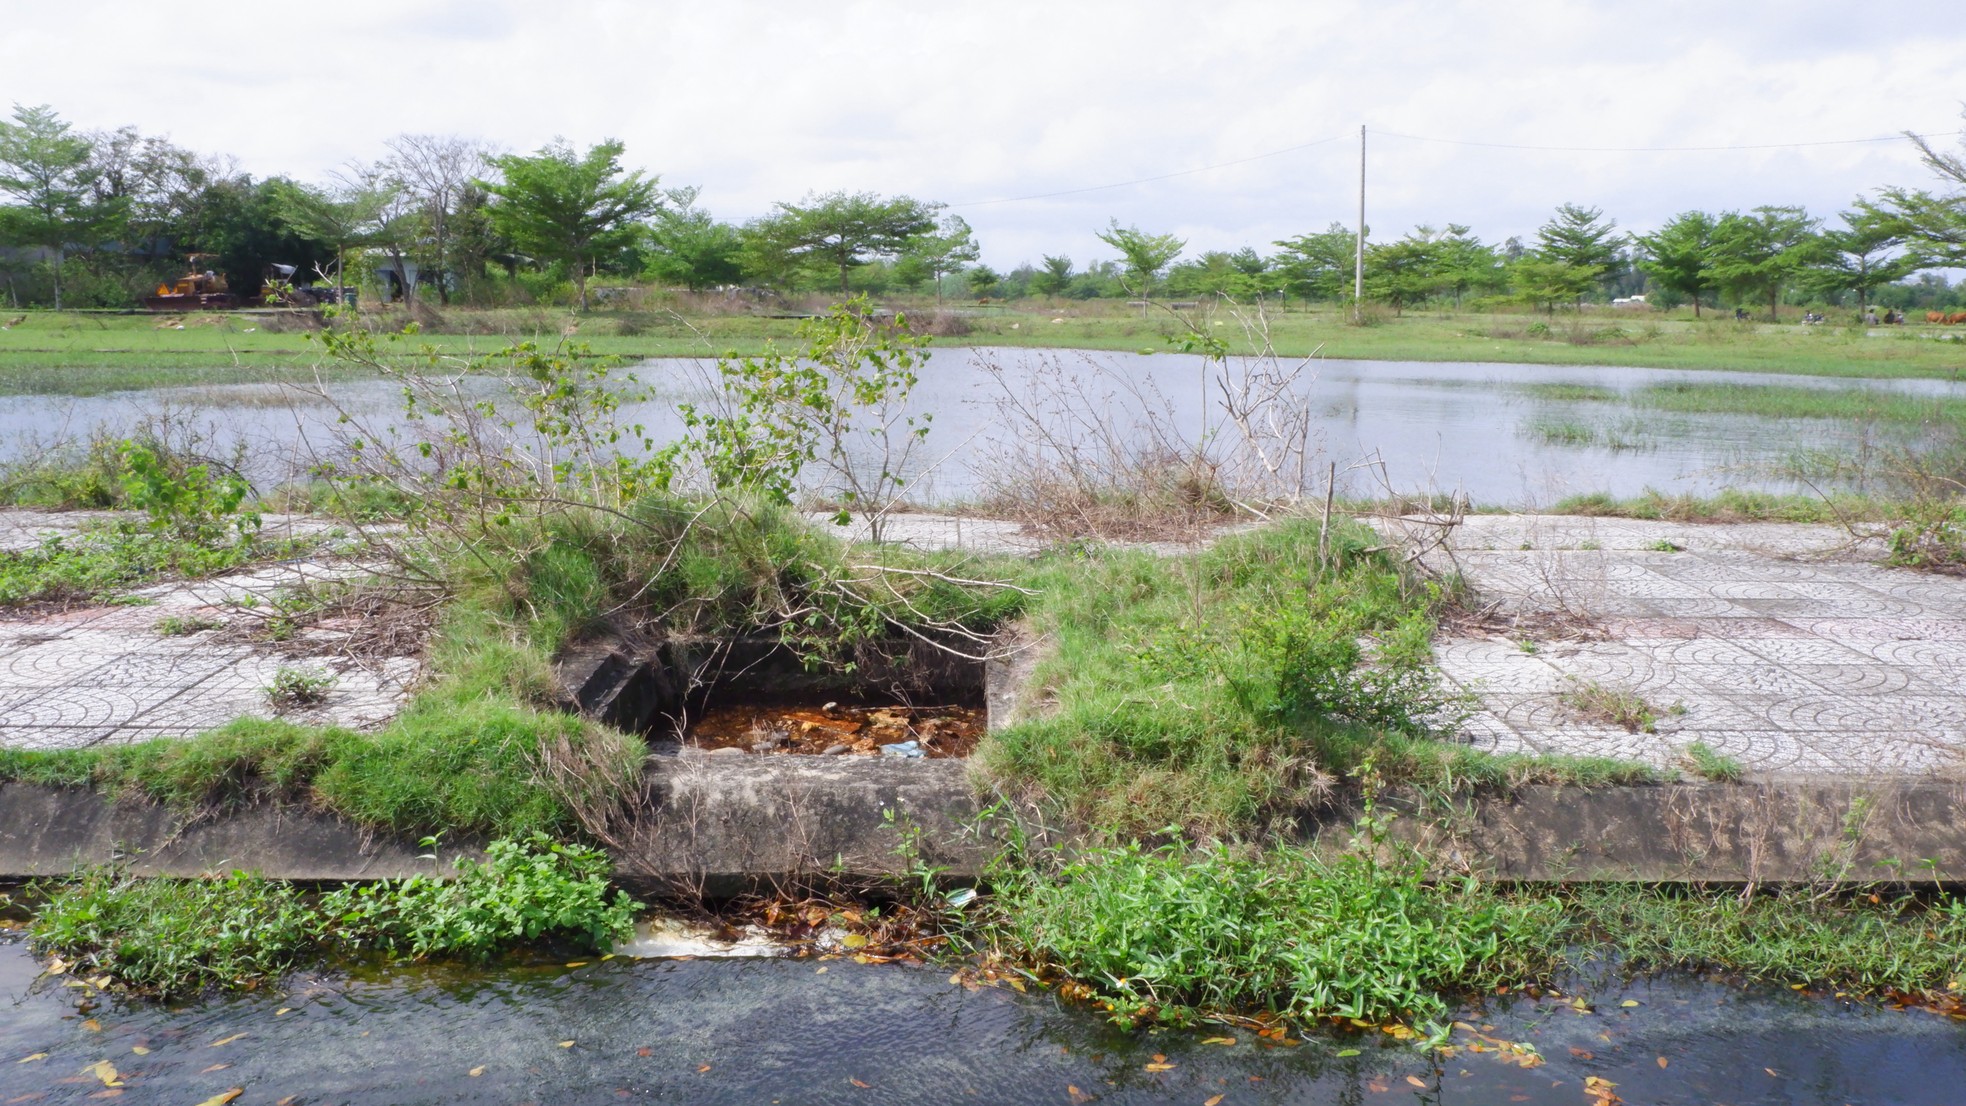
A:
(1802, 650)
(1721, 680)
(1867, 679)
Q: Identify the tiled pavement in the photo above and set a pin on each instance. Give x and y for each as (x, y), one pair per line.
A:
(1781, 646)
(104, 675)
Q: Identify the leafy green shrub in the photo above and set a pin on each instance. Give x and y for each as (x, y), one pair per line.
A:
(299, 687)
(98, 564)
(522, 892)
(187, 500)
(1168, 934)
(1932, 537)
(174, 937)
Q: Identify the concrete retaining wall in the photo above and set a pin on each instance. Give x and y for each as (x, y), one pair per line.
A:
(724, 823)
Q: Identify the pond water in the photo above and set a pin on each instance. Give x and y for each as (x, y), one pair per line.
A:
(1438, 426)
(800, 1031)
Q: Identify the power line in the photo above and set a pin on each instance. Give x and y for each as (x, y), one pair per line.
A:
(1150, 180)
(1453, 142)
(1652, 149)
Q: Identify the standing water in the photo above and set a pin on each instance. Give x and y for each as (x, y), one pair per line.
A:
(1480, 428)
(806, 1031)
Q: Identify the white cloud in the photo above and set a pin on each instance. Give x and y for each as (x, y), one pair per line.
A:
(765, 101)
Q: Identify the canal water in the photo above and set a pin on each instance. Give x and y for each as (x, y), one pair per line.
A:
(1478, 428)
(804, 1031)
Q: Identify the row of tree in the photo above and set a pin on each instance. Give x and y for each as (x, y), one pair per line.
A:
(97, 217)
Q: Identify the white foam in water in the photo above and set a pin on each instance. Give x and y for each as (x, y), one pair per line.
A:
(657, 938)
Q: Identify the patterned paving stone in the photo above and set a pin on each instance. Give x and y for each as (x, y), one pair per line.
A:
(103, 675)
(1783, 650)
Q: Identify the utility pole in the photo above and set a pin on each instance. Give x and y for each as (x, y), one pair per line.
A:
(1358, 260)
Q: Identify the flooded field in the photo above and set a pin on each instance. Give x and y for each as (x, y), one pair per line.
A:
(1508, 435)
(759, 1030)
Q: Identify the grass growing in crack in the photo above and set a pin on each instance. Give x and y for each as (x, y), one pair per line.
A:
(1711, 765)
(1591, 701)
(184, 625)
(1227, 690)
(1730, 505)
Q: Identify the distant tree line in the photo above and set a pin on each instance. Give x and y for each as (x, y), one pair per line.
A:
(98, 218)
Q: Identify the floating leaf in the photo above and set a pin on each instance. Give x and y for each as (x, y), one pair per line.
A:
(140, 1050)
(1662, 1061)
(225, 1040)
(92, 1025)
(1215, 1101)
(476, 1072)
(223, 1097)
(1417, 1081)
(1078, 1097)
(858, 1083)
(31, 1057)
(1629, 1003)
(701, 1068)
(105, 1071)
(1160, 1067)
(214, 1067)
(1218, 1040)
(1348, 1052)
(566, 1044)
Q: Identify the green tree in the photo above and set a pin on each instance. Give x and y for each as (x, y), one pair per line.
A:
(1467, 264)
(944, 252)
(1317, 266)
(1584, 242)
(1546, 281)
(1758, 255)
(1679, 257)
(1054, 278)
(688, 247)
(983, 280)
(46, 169)
(559, 205)
(843, 230)
(1406, 271)
(244, 225)
(1934, 223)
(1144, 256)
(342, 214)
(1863, 255)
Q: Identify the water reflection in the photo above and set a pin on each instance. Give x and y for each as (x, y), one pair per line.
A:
(799, 1031)
(1436, 425)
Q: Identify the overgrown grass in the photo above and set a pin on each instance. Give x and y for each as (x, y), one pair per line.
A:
(1228, 690)
(1165, 934)
(171, 938)
(1793, 402)
(1859, 940)
(100, 564)
(1732, 505)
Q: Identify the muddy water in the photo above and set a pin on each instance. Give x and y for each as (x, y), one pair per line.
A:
(796, 1031)
(1437, 425)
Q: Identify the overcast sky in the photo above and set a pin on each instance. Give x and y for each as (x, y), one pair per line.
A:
(757, 102)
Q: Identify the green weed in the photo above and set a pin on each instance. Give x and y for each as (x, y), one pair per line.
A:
(1712, 765)
(172, 938)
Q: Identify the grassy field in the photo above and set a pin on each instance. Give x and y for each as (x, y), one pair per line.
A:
(87, 353)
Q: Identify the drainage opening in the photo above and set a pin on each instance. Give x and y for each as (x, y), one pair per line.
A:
(897, 699)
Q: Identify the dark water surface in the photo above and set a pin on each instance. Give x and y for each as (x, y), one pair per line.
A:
(1437, 425)
(800, 1031)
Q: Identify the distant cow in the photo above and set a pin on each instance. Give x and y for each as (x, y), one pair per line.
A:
(1935, 316)
(1956, 318)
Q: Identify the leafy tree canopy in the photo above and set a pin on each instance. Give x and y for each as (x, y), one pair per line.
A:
(561, 205)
